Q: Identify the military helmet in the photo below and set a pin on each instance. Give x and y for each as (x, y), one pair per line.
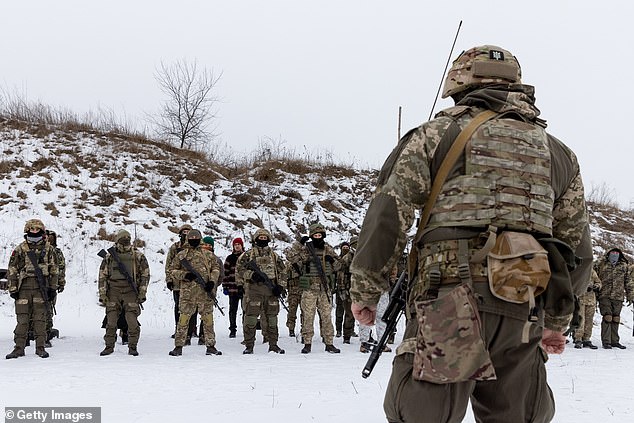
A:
(479, 66)
(121, 235)
(185, 227)
(316, 228)
(194, 234)
(354, 241)
(264, 232)
(33, 224)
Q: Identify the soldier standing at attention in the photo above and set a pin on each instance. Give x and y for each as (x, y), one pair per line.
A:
(315, 260)
(264, 273)
(616, 282)
(587, 305)
(229, 286)
(124, 275)
(51, 237)
(485, 202)
(32, 275)
(197, 271)
(344, 317)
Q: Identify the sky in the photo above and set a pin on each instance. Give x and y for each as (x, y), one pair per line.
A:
(330, 76)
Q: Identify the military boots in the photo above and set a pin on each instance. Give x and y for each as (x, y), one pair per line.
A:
(132, 350)
(332, 349)
(176, 351)
(248, 350)
(41, 352)
(107, 351)
(211, 350)
(276, 349)
(306, 349)
(17, 352)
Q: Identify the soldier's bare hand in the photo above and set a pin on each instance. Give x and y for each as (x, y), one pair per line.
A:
(364, 315)
(553, 342)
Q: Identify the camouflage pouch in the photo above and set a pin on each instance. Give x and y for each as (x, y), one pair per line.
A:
(449, 344)
(304, 282)
(518, 268)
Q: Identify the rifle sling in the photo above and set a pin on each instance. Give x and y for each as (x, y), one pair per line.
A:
(123, 269)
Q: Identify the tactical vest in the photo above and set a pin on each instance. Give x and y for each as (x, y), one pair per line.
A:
(506, 182)
(128, 261)
(311, 267)
(42, 260)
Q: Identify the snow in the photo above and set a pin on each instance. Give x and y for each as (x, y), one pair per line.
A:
(588, 385)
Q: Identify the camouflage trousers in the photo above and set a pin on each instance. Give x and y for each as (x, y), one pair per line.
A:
(343, 315)
(316, 302)
(122, 299)
(611, 311)
(30, 308)
(260, 302)
(521, 376)
(586, 313)
(193, 299)
(293, 300)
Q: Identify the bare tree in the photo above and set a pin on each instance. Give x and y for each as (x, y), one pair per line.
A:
(186, 116)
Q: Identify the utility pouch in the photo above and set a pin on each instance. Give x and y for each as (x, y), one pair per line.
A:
(518, 267)
(304, 282)
(449, 344)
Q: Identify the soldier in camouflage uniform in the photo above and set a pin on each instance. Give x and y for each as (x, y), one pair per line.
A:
(587, 305)
(616, 282)
(32, 296)
(316, 298)
(294, 296)
(194, 297)
(343, 312)
(261, 299)
(120, 294)
(511, 175)
(51, 237)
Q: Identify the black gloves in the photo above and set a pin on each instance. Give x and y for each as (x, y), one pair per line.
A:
(209, 286)
(170, 286)
(60, 289)
(330, 259)
(140, 300)
(190, 276)
(277, 290)
(303, 239)
(256, 277)
(14, 295)
(52, 293)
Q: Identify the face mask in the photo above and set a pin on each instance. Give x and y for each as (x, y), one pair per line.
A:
(124, 241)
(318, 242)
(262, 242)
(613, 257)
(34, 238)
(194, 242)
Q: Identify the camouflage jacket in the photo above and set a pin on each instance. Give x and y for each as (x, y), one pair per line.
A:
(616, 279)
(589, 297)
(203, 261)
(404, 184)
(174, 249)
(301, 260)
(61, 263)
(267, 261)
(342, 268)
(21, 266)
(139, 270)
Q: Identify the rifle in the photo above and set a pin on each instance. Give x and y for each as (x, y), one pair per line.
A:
(122, 269)
(390, 317)
(41, 281)
(199, 279)
(320, 269)
(252, 265)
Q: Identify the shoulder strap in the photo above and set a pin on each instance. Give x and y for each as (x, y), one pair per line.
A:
(450, 159)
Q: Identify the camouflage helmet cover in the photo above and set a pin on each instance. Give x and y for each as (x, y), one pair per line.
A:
(354, 241)
(185, 227)
(316, 228)
(35, 224)
(479, 66)
(264, 232)
(121, 235)
(194, 234)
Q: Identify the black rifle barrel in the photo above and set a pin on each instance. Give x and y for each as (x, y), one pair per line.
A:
(41, 281)
(199, 279)
(320, 269)
(253, 266)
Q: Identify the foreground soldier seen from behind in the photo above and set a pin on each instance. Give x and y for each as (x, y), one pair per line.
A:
(514, 178)
(124, 275)
(32, 275)
(262, 273)
(197, 270)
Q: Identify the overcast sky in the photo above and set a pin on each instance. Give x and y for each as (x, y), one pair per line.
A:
(330, 75)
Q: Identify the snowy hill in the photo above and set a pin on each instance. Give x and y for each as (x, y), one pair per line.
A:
(87, 185)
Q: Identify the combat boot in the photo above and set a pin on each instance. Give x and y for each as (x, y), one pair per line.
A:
(17, 352)
(338, 334)
(306, 348)
(107, 351)
(201, 340)
(176, 351)
(188, 341)
(232, 334)
(332, 349)
(589, 344)
(41, 352)
(132, 350)
(211, 350)
(346, 339)
(248, 350)
(618, 345)
(276, 349)
(578, 344)
(365, 347)
(607, 346)
(47, 344)
(291, 333)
